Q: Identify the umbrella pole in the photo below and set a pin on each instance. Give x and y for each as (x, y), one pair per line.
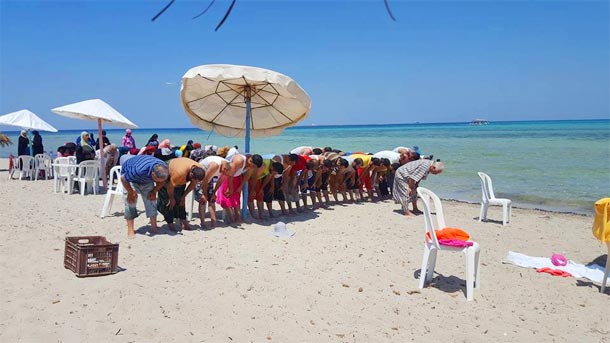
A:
(244, 209)
(102, 162)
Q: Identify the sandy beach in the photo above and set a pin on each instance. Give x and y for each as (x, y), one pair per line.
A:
(347, 275)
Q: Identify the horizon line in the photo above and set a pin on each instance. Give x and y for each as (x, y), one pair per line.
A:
(313, 125)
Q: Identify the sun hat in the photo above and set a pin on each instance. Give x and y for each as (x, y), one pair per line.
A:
(559, 260)
(279, 230)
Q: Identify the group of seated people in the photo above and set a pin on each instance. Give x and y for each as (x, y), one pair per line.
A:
(305, 178)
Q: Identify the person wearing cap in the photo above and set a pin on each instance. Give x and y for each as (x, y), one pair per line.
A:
(407, 179)
(128, 141)
(145, 175)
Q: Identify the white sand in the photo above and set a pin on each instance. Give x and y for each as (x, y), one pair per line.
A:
(243, 285)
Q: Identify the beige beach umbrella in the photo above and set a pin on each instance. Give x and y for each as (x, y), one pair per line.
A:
(26, 120)
(98, 110)
(242, 101)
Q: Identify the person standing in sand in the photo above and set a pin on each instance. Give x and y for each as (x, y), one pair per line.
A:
(145, 175)
(406, 180)
(171, 204)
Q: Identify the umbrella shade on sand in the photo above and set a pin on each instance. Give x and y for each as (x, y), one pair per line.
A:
(26, 120)
(98, 110)
(240, 101)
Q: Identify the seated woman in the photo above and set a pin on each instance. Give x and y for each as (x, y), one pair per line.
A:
(84, 152)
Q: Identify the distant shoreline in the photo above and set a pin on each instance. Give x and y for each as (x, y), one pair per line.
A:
(315, 126)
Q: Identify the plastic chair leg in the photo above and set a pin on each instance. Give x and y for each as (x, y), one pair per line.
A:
(190, 217)
(424, 268)
(431, 264)
(483, 213)
(107, 203)
(603, 289)
(504, 214)
(470, 266)
(477, 272)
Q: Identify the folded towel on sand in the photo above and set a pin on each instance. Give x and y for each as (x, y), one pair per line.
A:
(592, 272)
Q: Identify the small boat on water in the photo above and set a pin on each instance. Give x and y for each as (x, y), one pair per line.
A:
(479, 122)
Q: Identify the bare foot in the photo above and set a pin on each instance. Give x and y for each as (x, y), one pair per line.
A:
(131, 235)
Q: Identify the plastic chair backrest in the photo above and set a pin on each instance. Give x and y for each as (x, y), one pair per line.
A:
(42, 161)
(88, 169)
(486, 187)
(71, 159)
(24, 163)
(115, 175)
(432, 225)
(63, 170)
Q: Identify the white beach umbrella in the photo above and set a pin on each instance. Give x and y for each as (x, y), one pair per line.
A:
(241, 101)
(26, 120)
(98, 110)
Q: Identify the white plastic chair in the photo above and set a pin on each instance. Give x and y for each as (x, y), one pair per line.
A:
(42, 162)
(489, 198)
(24, 165)
(115, 176)
(432, 246)
(88, 172)
(63, 172)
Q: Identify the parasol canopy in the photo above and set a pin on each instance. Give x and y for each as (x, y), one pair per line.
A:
(98, 110)
(215, 98)
(94, 109)
(27, 120)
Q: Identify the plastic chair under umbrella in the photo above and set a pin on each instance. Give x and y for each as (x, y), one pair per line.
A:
(242, 101)
(98, 110)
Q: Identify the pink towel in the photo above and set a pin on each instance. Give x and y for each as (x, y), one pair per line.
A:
(458, 243)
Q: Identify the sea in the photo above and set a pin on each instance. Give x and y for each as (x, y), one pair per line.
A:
(561, 166)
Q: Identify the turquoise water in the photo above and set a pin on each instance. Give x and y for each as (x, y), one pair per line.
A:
(552, 165)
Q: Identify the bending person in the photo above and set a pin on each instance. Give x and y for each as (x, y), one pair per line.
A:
(184, 174)
(145, 175)
(406, 180)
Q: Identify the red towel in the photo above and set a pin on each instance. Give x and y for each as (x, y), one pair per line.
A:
(554, 272)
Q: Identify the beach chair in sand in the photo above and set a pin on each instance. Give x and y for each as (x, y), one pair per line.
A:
(432, 245)
(24, 166)
(489, 199)
(63, 173)
(115, 187)
(42, 163)
(88, 172)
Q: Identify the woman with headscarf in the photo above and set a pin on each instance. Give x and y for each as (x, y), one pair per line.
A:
(37, 143)
(23, 146)
(153, 141)
(128, 140)
(105, 141)
(84, 152)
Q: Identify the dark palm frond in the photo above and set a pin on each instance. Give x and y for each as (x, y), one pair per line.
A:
(226, 15)
(5, 140)
(205, 10)
(387, 7)
(163, 10)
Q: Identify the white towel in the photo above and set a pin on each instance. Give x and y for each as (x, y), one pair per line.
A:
(592, 272)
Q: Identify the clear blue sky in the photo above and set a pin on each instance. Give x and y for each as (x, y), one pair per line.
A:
(441, 61)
